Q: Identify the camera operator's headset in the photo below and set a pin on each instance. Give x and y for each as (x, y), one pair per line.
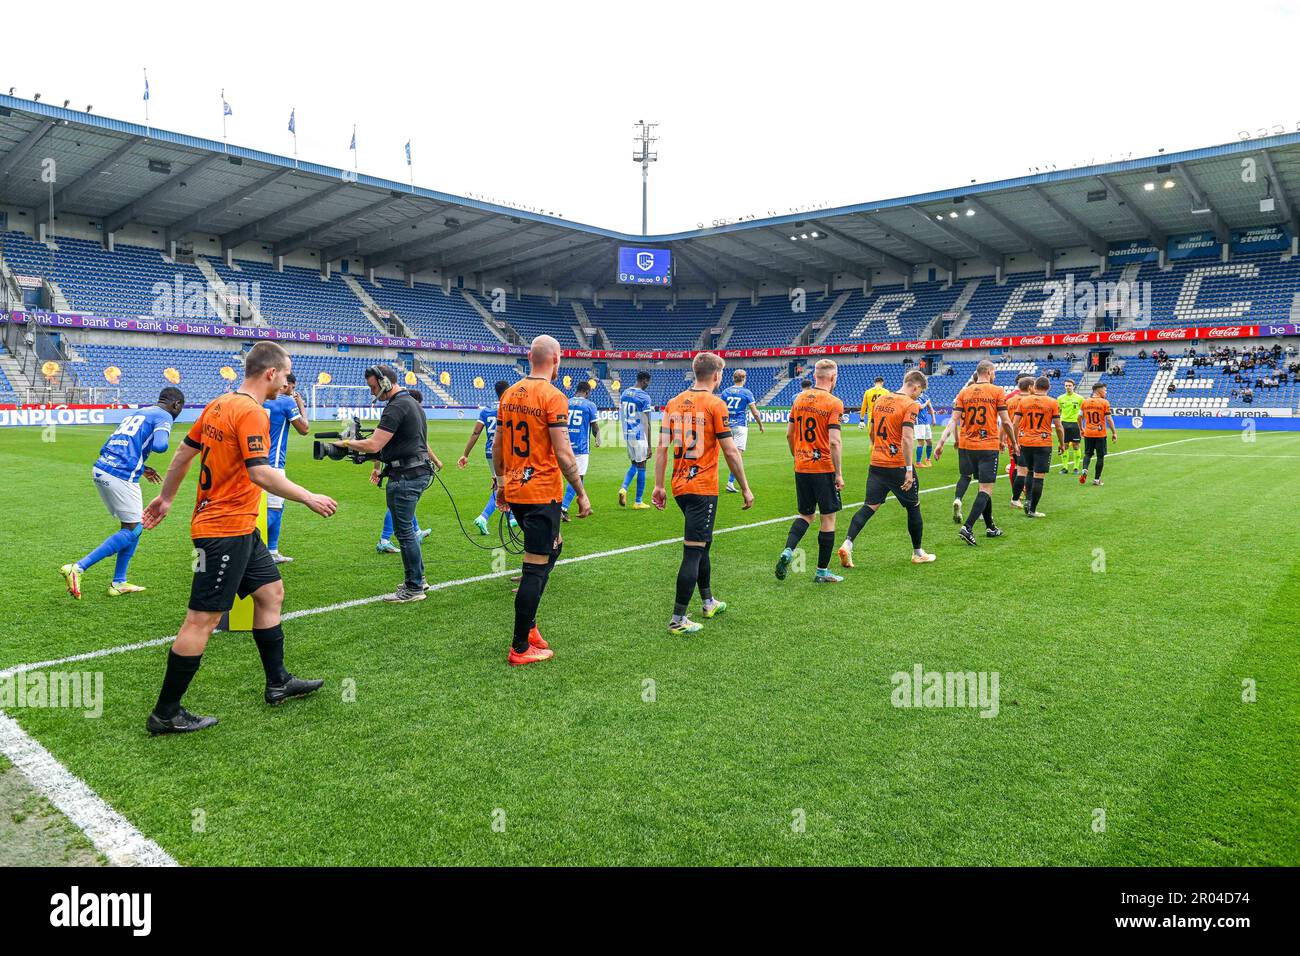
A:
(509, 534)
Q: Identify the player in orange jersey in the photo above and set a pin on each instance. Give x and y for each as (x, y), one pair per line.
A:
(1036, 417)
(814, 438)
(533, 458)
(695, 424)
(893, 423)
(979, 419)
(232, 442)
(1096, 417)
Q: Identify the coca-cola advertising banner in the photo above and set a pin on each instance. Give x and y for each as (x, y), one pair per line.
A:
(1058, 340)
(1065, 340)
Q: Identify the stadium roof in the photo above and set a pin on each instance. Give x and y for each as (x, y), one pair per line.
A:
(117, 173)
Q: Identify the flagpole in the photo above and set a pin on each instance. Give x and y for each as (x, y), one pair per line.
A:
(224, 144)
(410, 167)
(146, 102)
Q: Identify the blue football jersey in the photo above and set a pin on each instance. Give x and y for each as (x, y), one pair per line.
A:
(140, 433)
(488, 419)
(926, 416)
(738, 399)
(283, 411)
(582, 412)
(633, 402)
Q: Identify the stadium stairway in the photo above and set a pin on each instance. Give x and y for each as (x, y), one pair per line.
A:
(495, 324)
(827, 319)
(372, 309)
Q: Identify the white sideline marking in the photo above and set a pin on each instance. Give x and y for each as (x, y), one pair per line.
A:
(124, 845)
(110, 832)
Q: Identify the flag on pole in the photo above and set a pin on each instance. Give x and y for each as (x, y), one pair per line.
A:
(293, 127)
(146, 86)
(353, 144)
(225, 107)
(408, 152)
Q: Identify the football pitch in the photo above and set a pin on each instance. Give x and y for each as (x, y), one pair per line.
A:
(1142, 638)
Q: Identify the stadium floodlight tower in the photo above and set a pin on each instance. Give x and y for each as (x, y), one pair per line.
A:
(645, 157)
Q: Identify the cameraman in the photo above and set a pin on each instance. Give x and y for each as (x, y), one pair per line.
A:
(402, 443)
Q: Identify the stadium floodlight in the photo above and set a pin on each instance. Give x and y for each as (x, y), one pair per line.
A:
(1169, 184)
(1149, 187)
(970, 212)
(645, 157)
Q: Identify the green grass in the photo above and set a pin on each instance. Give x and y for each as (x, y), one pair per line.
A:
(1120, 690)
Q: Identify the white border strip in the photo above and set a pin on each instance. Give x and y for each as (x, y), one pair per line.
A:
(110, 832)
(115, 837)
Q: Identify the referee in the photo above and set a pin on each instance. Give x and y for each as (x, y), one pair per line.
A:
(231, 440)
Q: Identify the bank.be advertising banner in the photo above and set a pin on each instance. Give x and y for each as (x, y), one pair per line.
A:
(1055, 340)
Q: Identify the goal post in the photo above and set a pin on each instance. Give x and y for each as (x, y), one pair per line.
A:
(341, 396)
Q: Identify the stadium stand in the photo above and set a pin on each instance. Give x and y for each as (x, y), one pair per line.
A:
(299, 299)
(892, 313)
(429, 312)
(95, 280)
(655, 325)
(771, 321)
(533, 315)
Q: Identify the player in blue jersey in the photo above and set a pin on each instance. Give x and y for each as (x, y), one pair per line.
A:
(286, 410)
(583, 431)
(924, 430)
(740, 404)
(487, 422)
(116, 474)
(634, 408)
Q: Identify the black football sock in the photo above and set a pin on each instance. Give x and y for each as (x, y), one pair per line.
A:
(687, 576)
(988, 512)
(860, 519)
(180, 671)
(981, 502)
(1087, 460)
(1037, 494)
(962, 484)
(1017, 486)
(825, 545)
(706, 575)
(797, 531)
(270, 644)
(914, 525)
(529, 595)
(1101, 462)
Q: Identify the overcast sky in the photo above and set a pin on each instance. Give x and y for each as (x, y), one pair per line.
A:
(764, 107)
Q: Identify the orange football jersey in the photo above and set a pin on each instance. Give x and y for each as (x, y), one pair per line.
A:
(889, 416)
(231, 435)
(1094, 415)
(1033, 418)
(526, 415)
(815, 412)
(693, 423)
(979, 405)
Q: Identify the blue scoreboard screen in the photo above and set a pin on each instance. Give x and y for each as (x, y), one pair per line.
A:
(644, 266)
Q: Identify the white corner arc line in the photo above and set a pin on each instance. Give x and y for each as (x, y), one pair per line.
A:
(110, 832)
